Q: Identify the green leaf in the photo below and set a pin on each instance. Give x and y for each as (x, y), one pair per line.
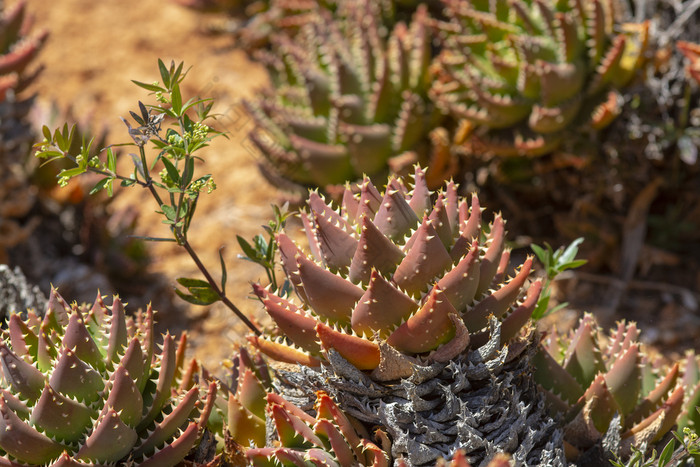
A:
(189, 282)
(571, 265)
(99, 186)
(128, 182)
(70, 173)
(189, 172)
(164, 73)
(176, 99)
(172, 170)
(111, 160)
(177, 73)
(148, 87)
(224, 274)
(53, 154)
(665, 456)
(47, 133)
(570, 253)
(169, 212)
(192, 299)
(248, 250)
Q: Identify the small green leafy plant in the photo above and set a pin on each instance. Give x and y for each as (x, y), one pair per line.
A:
(175, 188)
(264, 251)
(555, 262)
(680, 449)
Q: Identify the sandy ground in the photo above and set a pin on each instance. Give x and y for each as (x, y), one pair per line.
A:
(94, 51)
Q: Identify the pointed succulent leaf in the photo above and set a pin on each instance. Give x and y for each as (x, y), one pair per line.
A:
(371, 313)
(61, 417)
(395, 218)
(283, 352)
(583, 359)
(173, 453)
(23, 442)
(374, 250)
(652, 401)
(110, 441)
(624, 380)
(460, 283)
(296, 324)
(292, 431)
(428, 327)
(125, 397)
(73, 377)
(491, 259)
(24, 378)
(328, 294)
(360, 352)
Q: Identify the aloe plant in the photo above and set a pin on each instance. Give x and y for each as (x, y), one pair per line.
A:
(527, 73)
(407, 285)
(601, 389)
(85, 386)
(346, 100)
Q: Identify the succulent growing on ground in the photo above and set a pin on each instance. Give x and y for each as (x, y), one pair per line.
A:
(330, 438)
(607, 392)
(17, 51)
(346, 98)
(404, 287)
(83, 386)
(526, 71)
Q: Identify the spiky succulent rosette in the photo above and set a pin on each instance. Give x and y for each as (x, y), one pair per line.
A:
(17, 50)
(606, 390)
(346, 97)
(86, 387)
(329, 438)
(405, 286)
(526, 72)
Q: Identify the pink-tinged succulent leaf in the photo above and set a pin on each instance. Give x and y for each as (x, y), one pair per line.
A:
(78, 339)
(245, 428)
(583, 359)
(292, 431)
(327, 430)
(295, 323)
(370, 200)
(374, 250)
(452, 207)
(60, 417)
(283, 352)
(372, 313)
(13, 22)
(173, 453)
(327, 409)
(375, 454)
(550, 375)
(561, 82)
(460, 283)
(499, 301)
(492, 257)
(110, 441)
(320, 458)
(652, 401)
(329, 295)
(72, 377)
(118, 336)
(23, 340)
(349, 205)
(395, 218)
(420, 196)
(15, 404)
(369, 146)
(519, 317)
(251, 393)
(23, 442)
(599, 407)
(57, 311)
(608, 66)
(275, 399)
(21, 55)
(309, 230)
(655, 426)
(166, 380)
(46, 350)
(439, 220)
(332, 232)
(549, 120)
(125, 397)
(65, 460)
(425, 259)
(607, 111)
(134, 362)
(326, 163)
(625, 335)
(428, 328)
(170, 424)
(470, 225)
(261, 457)
(288, 256)
(363, 354)
(624, 380)
(502, 267)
